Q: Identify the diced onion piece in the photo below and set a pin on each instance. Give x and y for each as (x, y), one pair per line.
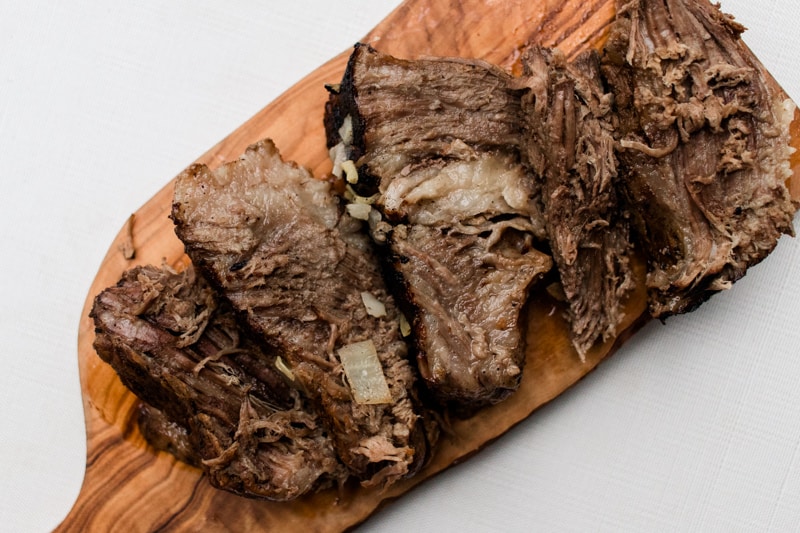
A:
(338, 155)
(359, 211)
(364, 373)
(374, 306)
(350, 171)
(346, 130)
(283, 368)
(405, 327)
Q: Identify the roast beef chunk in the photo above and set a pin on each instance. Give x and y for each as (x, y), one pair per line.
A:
(434, 145)
(179, 350)
(704, 147)
(275, 242)
(569, 144)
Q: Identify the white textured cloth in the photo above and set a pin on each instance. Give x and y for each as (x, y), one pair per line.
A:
(693, 426)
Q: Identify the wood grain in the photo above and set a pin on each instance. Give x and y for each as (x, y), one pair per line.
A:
(130, 487)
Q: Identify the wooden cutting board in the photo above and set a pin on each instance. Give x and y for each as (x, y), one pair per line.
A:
(130, 487)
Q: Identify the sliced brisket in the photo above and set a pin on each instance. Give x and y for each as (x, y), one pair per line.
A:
(704, 147)
(274, 241)
(434, 144)
(179, 350)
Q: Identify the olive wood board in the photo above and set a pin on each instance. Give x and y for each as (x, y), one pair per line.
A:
(128, 486)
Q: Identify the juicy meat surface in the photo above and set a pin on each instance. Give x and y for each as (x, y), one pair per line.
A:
(275, 243)
(435, 143)
(704, 147)
(570, 145)
(468, 287)
(180, 351)
(165, 434)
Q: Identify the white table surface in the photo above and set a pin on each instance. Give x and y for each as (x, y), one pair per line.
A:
(692, 426)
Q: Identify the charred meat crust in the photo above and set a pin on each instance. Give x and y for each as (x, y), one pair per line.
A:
(275, 243)
(179, 350)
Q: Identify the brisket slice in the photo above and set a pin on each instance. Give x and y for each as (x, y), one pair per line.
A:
(405, 112)
(274, 241)
(213, 397)
(570, 146)
(468, 286)
(435, 145)
(703, 147)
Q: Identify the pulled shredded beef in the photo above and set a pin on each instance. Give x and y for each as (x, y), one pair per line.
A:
(704, 147)
(570, 145)
(177, 348)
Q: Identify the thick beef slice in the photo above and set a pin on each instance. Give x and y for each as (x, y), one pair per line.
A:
(704, 147)
(570, 145)
(435, 144)
(468, 289)
(275, 243)
(404, 112)
(179, 350)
